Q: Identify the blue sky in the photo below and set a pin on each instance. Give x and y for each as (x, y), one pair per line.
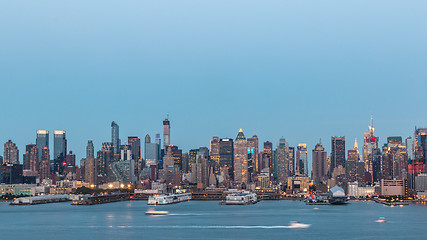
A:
(303, 70)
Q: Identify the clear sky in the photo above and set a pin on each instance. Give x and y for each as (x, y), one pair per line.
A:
(303, 70)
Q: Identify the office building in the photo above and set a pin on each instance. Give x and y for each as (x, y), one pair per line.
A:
(90, 150)
(45, 164)
(59, 151)
(253, 151)
(151, 153)
(337, 153)
(281, 158)
(226, 156)
(42, 141)
(370, 142)
(135, 146)
(166, 132)
(241, 159)
(320, 164)
(301, 165)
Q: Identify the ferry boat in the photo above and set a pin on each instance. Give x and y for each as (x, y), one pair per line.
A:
(240, 198)
(165, 199)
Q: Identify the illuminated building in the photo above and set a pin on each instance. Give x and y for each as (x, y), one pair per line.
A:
(291, 161)
(151, 152)
(253, 151)
(30, 156)
(45, 164)
(135, 147)
(281, 158)
(369, 144)
(226, 155)
(11, 153)
(59, 151)
(90, 170)
(241, 158)
(214, 155)
(301, 165)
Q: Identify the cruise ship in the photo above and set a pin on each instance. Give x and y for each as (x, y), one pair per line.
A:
(165, 199)
(240, 198)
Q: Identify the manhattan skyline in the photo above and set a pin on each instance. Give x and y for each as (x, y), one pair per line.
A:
(301, 71)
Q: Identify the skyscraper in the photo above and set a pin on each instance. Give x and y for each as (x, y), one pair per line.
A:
(42, 141)
(115, 140)
(226, 155)
(135, 145)
(253, 151)
(59, 150)
(268, 157)
(420, 149)
(320, 164)
(337, 153)
(241, 158)
(369, 144)
(45, 163)
(90, 150)
(291, 162)
(281, 158)
(166, 132)
(11, 153)
(151, 153)
(214, 147)
(301, 166)
(27, 156)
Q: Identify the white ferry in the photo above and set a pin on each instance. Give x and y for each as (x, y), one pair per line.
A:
(240, 198)
(165, 199)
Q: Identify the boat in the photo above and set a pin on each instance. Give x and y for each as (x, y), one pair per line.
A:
(165, 199)
(152, 212)
(381, 220)
(315, 208)
(295, 224)
(240, 198)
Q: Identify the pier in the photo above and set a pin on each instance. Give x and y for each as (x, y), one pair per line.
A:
(100, 199)
(42, 199)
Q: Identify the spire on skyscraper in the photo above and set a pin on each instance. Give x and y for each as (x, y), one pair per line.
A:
(356, 147)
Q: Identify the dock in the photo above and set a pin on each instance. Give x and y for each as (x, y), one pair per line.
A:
(42, 199)
(100, 199)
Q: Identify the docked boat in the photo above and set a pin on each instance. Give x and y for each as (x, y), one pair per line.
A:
(240, 198)
(152, 212)
(295, 224)
(165, 199)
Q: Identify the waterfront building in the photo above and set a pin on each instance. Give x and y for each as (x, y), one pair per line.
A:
(421, 182)
(301, 165)
(115, 139)
(45, 164)
(11, 173)
(226, 156)
(42, 141)
(59, 151)
(11, 153)
(90, 150)
(320, 164)
(354, 190)
(166, 132)
(337, 153)
(281, 158)
(298, 184)
(393, 187)
(241, 158)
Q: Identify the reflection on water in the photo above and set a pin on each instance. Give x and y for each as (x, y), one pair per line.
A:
(209, 220)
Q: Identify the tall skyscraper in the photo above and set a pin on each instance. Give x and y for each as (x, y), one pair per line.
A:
(268, 157)
(281, 158)
(420, 150)
(135, 145)
(369, 144)
(301, 166)
(166, 132)
(214, 147)
(59, 150)
(226, 155)
(42, 141)
(320, 164)
(115, 139)
(241, 158)
(337, 153)
(90, 150)
(291, 161)
(11, 153)
(253, 152)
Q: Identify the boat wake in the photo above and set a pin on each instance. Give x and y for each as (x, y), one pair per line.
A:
(212, 227)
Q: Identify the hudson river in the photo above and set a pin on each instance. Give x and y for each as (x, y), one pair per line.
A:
(208, 220)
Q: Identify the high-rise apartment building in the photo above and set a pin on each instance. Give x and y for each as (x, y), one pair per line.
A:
(90, 150)
(135, 146)
(11, 153)
(30, 150)
(45, 163)
(241, 158)
(115, 139)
